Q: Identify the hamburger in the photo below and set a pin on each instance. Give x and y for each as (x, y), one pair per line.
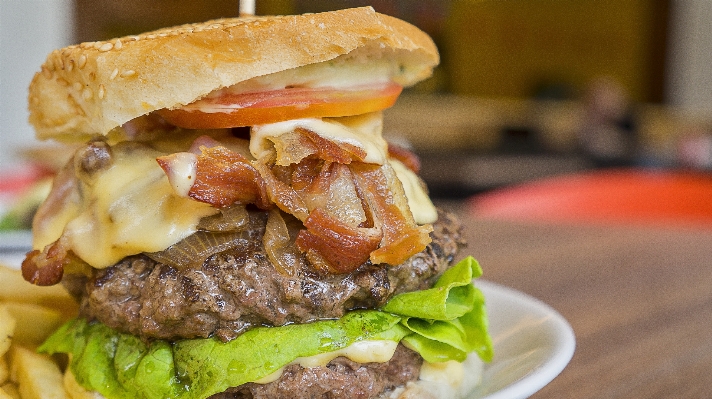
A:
(234, 225)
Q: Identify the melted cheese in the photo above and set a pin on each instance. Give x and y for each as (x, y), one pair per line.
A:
(126, 209)
(183, 172)
(419, 202)
(360, 352)
(343, 72)
(362, 131)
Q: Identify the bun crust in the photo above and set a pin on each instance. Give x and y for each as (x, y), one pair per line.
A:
(94, 87)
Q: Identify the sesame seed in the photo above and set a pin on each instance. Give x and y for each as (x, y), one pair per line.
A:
(118, 44)
(114, 73)
(102, 91)
(62, 82)
(87, 93)
(70, 65)
(126, 74)
(46, 72)
(77, 86)
(82, 61)
(106, 47)
(98, 45)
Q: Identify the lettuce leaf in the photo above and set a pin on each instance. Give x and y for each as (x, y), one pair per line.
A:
(443, 323)
(449, 320)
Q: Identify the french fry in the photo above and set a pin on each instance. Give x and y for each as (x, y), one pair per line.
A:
(10, 390)
(38, 376)
(76, 391)
(28, 315)
(5, 395)
(4, 370)
(34, 322)
(7, 329)
(14, 288)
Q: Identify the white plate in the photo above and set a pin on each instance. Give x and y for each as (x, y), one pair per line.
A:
(532, 344)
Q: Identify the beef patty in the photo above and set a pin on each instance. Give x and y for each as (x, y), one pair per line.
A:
(339, 379)
(240, 288)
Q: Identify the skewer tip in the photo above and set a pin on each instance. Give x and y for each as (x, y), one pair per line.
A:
(247, 8)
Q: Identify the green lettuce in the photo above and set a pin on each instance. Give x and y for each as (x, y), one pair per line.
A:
(443, 323)
(449, 320)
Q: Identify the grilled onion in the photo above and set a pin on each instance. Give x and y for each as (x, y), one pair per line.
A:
(232, 218)
(279, 243)
(193, 250)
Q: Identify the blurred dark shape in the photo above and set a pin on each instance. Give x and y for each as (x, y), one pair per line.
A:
(105, 19)
(608, 136)
(552, 89)
(520, 140)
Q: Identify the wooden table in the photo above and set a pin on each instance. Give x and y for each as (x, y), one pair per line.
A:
(638, 298)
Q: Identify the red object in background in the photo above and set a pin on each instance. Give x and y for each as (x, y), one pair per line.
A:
(16, 181)
(627, 196)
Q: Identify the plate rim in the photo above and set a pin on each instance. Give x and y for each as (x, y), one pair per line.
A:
(557, 325)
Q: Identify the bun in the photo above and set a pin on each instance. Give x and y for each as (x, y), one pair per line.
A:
(92, 88)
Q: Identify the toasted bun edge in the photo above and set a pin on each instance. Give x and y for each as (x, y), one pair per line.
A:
(92, 88)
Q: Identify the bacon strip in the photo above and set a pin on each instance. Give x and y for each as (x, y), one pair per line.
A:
(343, 247)
(224, 177)
(296, 146)
(410, 160)
(281, 194)
(333, 151)
(402, 237)
(352, 212)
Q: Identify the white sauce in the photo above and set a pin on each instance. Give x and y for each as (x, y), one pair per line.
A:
(362, 131)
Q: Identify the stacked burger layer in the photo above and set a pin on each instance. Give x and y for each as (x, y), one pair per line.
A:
(236, 226)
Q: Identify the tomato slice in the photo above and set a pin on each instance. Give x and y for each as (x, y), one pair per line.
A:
(247, 109)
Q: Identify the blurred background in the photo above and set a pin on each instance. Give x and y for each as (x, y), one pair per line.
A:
(526, 88)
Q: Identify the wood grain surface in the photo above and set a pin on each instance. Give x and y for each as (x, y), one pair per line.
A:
(638, 298)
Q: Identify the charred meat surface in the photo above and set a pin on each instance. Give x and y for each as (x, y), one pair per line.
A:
(239, 288)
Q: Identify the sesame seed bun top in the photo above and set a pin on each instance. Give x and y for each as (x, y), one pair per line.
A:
(92, 88)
